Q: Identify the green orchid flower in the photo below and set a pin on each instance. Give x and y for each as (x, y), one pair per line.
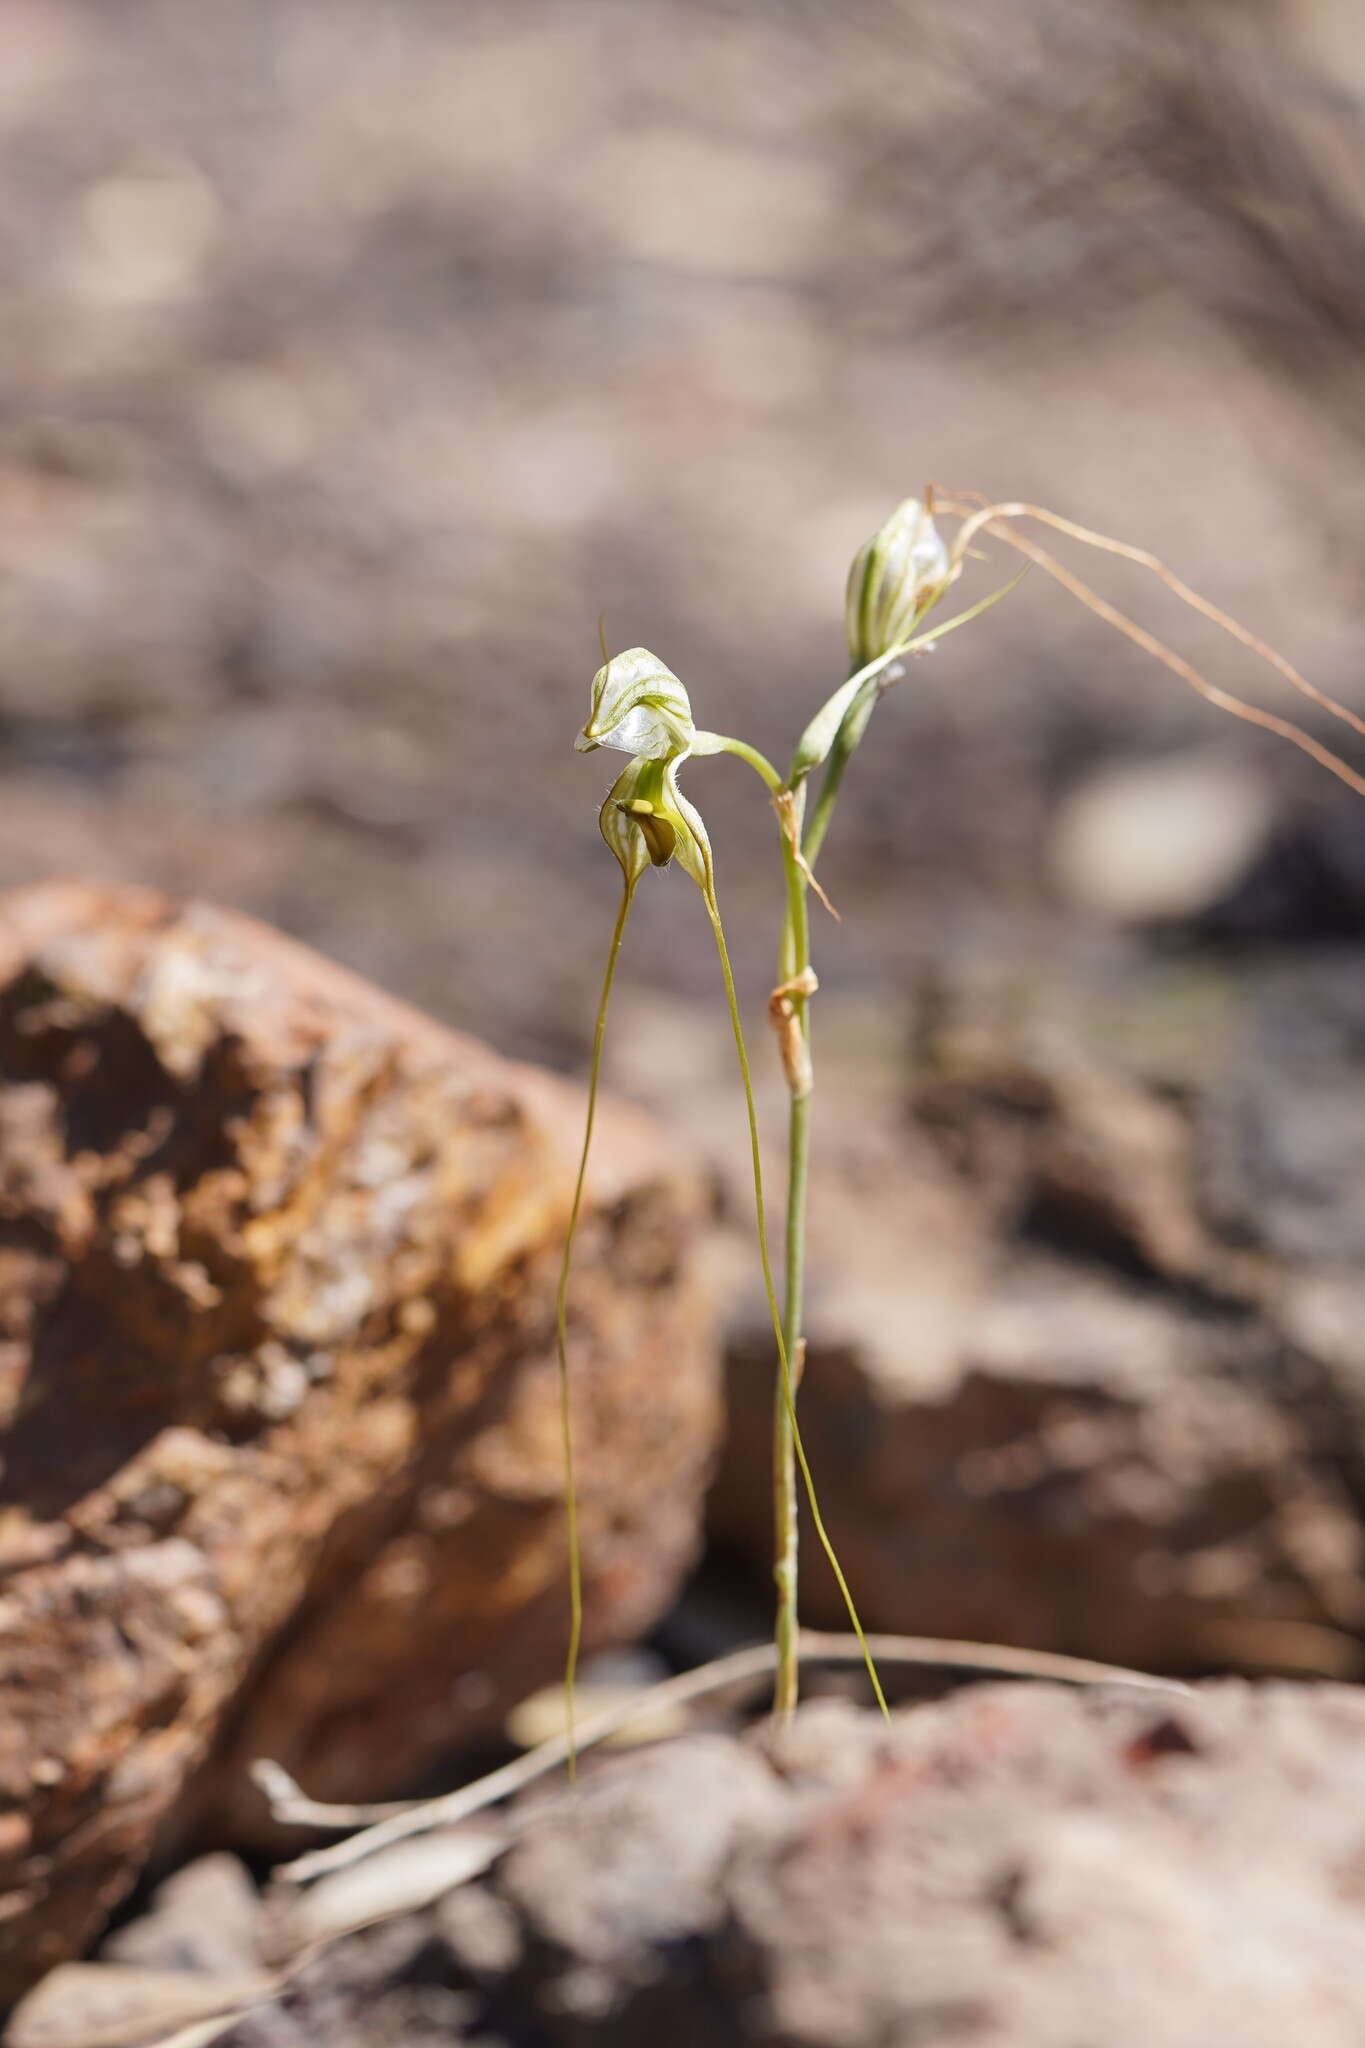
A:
(639, 707)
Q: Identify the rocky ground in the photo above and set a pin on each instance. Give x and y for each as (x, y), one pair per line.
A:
(282, 1462)
(1084, 1375)
(1020, 1865)
(1086, 1362)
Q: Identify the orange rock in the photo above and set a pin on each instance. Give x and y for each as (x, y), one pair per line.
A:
(281, 1467)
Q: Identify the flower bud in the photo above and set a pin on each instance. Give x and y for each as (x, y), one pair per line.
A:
(894, 579)
(638, 707)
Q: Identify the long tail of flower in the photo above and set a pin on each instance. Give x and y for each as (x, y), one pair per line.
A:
(562, 1335)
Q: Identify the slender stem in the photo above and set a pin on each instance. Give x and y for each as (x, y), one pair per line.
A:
(562, 1337)
(784, 1363)
(795, 959)
(722, 743)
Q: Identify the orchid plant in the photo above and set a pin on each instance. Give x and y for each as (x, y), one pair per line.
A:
(639, 708)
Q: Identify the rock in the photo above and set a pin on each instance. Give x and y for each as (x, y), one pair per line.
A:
(1086, 1369)
(1280, 1136)
(1166, 839)
(1019, 1865)
(206, 1917)
(392, 1881)
(115, 2005)
(277, 1386)
(1306, 887)
(384, 1986)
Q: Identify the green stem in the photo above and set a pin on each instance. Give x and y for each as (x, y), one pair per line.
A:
(721, 743)
(787, 1390)
(562, 1335)
(795, 960)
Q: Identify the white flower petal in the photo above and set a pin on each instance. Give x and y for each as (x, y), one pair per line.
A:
(638, 707)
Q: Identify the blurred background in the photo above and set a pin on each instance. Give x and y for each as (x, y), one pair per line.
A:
(356, 357)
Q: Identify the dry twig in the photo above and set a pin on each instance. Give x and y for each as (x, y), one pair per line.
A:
(741, 1668)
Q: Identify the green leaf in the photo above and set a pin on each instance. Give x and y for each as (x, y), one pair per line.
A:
(819, 736)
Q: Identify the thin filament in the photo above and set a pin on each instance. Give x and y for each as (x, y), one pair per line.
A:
(1227, 624)
(760, 1209)
(562, 1337)
(1223, 700)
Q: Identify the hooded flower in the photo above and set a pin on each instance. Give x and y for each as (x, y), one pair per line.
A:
(894, 579)
(638, 707)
